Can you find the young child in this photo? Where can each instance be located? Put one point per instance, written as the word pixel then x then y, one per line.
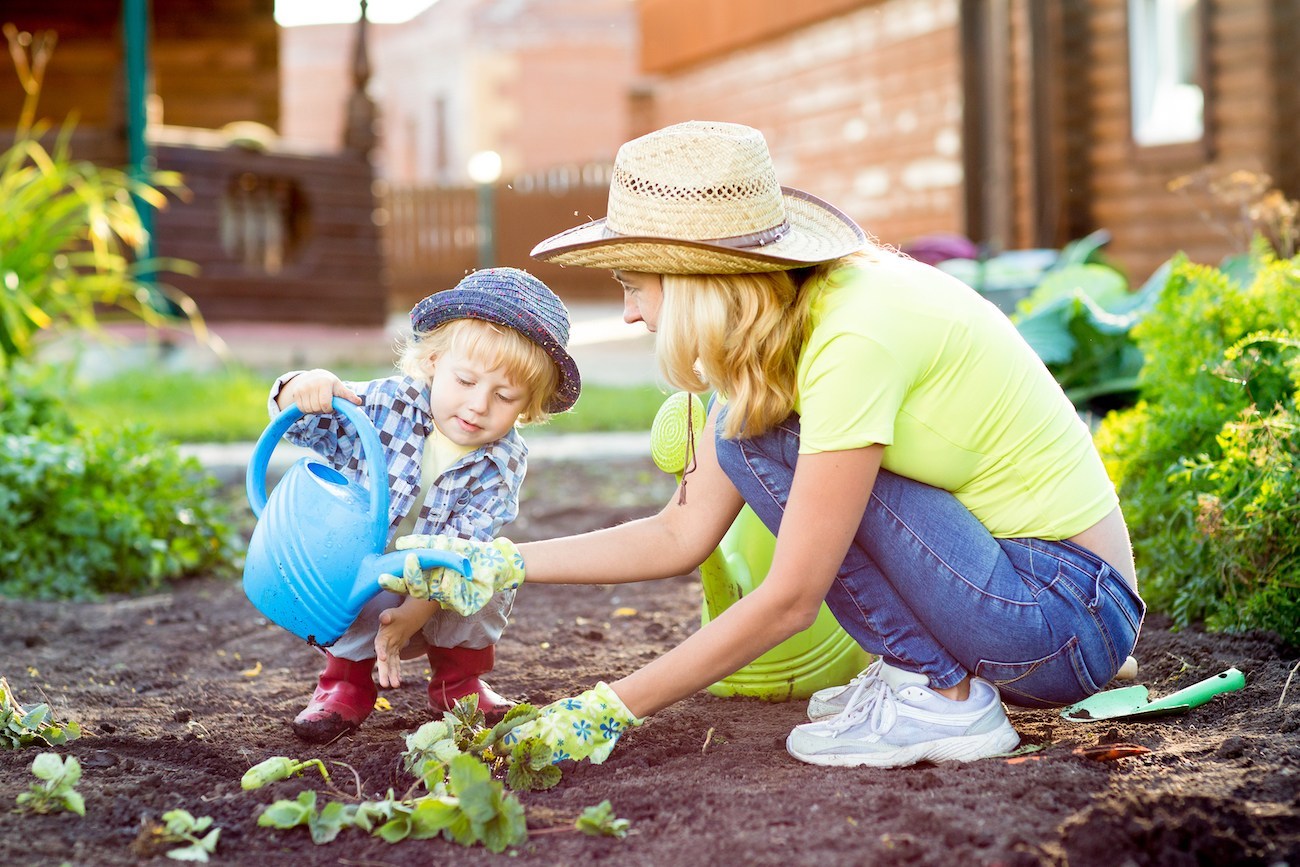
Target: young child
pixel 482 357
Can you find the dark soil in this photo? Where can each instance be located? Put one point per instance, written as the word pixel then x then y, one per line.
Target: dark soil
pixel 180 693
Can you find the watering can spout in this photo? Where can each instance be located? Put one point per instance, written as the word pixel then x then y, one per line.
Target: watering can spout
pixel 317 551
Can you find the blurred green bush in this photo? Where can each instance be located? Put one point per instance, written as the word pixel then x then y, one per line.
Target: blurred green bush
pixel 1207 461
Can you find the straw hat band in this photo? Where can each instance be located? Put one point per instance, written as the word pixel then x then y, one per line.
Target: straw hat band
pixel 754 239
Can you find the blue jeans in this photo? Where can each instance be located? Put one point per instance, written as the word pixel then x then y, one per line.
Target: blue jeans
pixel 925 586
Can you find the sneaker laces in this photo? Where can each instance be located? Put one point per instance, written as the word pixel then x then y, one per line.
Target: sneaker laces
pixel 867 674
pixel 873 702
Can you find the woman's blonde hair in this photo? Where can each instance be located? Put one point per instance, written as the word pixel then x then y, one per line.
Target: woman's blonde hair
pixel 741 334
pixel 493 346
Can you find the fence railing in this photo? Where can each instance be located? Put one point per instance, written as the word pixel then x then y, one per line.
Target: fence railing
pixel 432 235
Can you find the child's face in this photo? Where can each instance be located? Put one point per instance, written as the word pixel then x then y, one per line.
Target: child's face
pixel 473 405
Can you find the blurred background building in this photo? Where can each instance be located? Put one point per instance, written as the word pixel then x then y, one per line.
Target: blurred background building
pixel 339 171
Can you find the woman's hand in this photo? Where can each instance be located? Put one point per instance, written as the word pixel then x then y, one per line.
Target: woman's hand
pixel 494 566
pixel 314 392
pixel 586 726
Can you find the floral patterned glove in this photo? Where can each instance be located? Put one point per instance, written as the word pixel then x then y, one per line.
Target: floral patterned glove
pixel 494 566
pixel 584 727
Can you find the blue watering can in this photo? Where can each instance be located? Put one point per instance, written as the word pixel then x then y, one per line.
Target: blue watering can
pixel 318 548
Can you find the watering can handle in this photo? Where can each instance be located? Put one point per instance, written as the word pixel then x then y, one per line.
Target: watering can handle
pixel 371 448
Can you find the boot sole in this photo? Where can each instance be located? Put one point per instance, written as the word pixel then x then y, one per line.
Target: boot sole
pixel 968 748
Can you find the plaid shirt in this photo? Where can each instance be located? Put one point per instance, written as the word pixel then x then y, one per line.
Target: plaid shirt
pixel 472 499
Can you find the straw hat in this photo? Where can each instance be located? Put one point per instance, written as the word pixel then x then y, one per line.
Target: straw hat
pixel 702 198
pixel 515 299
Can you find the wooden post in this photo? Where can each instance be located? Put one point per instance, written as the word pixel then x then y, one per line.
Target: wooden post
pixel 359 136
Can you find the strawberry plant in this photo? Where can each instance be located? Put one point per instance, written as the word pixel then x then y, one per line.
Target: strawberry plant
pixel 57 790
pixel 179 827
pixel 21 728
pixel 455 760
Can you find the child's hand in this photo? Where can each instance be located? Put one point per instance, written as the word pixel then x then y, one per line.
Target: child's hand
pixel 314 392
pixel 396 626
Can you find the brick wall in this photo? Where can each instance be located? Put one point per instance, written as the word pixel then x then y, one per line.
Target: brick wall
pixel 837 101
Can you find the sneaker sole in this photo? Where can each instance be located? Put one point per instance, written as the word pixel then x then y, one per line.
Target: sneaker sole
pixel 968 748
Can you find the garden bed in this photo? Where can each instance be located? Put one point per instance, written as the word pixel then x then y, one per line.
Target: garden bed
pixel 179 694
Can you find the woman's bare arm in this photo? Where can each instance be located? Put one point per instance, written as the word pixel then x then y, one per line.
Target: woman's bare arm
pixel 672 542
pixel 827 500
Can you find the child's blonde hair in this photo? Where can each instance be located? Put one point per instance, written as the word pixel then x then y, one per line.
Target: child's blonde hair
pixel 494 346
pixel 741 334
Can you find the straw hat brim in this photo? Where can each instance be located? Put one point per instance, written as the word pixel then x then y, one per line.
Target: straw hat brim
pixel 818 232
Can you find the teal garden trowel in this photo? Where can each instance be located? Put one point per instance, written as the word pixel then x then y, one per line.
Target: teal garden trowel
pixel 1132 701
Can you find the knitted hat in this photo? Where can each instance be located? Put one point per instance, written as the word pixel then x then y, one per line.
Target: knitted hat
pixel 515 299
pixel 702 198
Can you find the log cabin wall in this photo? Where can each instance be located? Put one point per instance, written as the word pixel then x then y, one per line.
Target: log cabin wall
pixel 861 102
pixel 214 62
pixel 1250 119
pixel 279 237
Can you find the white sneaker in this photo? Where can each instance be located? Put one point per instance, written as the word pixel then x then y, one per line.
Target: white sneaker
pixel 826 703
pixel 893 719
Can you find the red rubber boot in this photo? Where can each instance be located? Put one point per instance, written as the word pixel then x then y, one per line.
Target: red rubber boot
pixel 456 673
pixel 345 695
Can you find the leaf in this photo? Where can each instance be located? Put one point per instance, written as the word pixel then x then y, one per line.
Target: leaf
pixel 394 830
pixel 431 816
pixel 289 814
pixel 74 802
pixel 530 767
pixel 599 821
pixel 326 825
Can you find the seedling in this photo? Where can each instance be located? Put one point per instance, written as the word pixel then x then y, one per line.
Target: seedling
pixel 21 728
pixel 600 821
pixel 58 791
pixel 278 768
pixel 179 826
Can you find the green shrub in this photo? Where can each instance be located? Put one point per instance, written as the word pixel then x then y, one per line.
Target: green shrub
pixel 1206 462
pixel 87 511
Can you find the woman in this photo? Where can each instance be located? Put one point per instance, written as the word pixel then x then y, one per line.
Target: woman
pixel 922 471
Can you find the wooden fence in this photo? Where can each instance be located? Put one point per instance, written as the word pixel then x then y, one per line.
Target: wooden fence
pixel 277 237
pixel 431 234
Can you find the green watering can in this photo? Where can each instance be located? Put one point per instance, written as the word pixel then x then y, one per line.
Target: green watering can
pixel 822 655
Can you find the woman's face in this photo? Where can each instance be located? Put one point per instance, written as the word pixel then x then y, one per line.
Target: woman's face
pixel 643 295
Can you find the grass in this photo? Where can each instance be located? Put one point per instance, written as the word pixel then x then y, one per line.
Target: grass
pixel 229 405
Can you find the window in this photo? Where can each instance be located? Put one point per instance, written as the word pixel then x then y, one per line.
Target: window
pixel 1165 63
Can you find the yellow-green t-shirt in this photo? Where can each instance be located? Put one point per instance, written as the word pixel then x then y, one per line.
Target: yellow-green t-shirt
pixel 906 356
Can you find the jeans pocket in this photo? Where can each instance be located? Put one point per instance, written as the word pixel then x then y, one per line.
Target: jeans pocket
pixel 1052 681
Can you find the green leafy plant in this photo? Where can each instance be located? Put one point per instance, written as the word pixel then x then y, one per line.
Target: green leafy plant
pixel 455 759
pixel 469 807
pixel 180 829
pixel 94 511
pixel 68 229
pixel 22 728
pixel 278 768
pixel 600 821
pixel 1205 462
pixel 57 790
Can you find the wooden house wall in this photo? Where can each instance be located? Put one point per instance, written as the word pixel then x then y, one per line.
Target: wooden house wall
pixel 279 237
pixel 214 62
pixel 863 108
pixel 1128 185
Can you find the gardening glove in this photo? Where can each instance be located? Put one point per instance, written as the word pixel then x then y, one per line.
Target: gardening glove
pixel 584 727
pixel 494 566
